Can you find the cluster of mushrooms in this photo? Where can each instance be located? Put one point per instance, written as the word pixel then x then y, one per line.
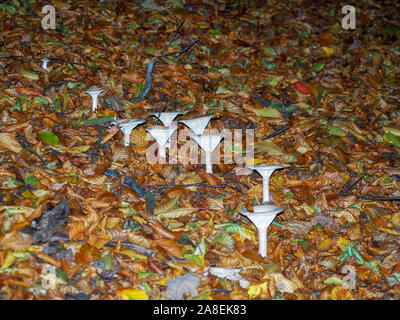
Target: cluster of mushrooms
pixel 261 217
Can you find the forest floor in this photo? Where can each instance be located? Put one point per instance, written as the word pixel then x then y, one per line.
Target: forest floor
pixel 84 217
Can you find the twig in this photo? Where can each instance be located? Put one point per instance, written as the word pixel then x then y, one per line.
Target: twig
pixel 345 189
pixel 150 65
pixel 379 198
pixel 349 187
pixel 277 132
pixel 200 184
pixel 172 39
pixel 36 154
pixel 187 48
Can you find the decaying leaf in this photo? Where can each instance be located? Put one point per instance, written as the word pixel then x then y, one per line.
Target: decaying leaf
pixel 179 286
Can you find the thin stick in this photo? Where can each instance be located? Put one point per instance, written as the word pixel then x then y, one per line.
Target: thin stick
pixel 277 132
pixel 192 185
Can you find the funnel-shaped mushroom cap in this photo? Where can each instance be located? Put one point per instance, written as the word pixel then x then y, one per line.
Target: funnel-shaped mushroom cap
pixel 266 170
pixel 161 134
pixel 262 217
pixel 127 125
pixel 166 117
pixel 208 142
pixel 45 62
pixel 131 123
pixel 197 125
pixel 94 92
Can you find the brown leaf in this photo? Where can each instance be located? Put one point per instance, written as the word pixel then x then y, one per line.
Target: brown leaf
pixel 170 246
pixel 17 241
pixel 8 142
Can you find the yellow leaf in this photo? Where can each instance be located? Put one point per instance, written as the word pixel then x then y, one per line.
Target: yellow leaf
pixel 133 294
pixel 341 242
pixel 139 219
pixel 176 213
pixel 325 244
pixel 253 161
pixel 133 254
pixel 9 260
pixel 328 51
pixel 162 282
pixel 340 293
pixel 242 235
pixel 268 147
pixel 167 205
pixel 268 113
pixel 396 219
pixel 78 149
pixel 257 289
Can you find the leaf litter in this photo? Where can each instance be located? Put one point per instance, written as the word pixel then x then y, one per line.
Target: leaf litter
pixel 83 217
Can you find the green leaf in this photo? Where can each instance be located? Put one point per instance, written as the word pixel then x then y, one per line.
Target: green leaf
pixel 49 138
pixel 270 64
pixel 344 256
pixel 320 95
pixel 31 180
pixel 107 259
pixel 99 120
pixel 374 266
pixel 393 131
pixel 8 8
pixel 177 3
pixel 12 182
pixel 201 248
pixel 184 239
pixel 336 131
pixel 231 227
pixel 317 67
pixel 72 85
pixel 139 89
pixel 29 74
pixel 52 165
pixel 392 31
pixel 391 138
pixel 303 243
pixel 358 256
pixel 214 32
pixel 272 82
pixel 61 274
pixel 269 51
pixel 334 280
pixel 268 113
pixel 225 239
pixel 222 89
pixel 193 258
